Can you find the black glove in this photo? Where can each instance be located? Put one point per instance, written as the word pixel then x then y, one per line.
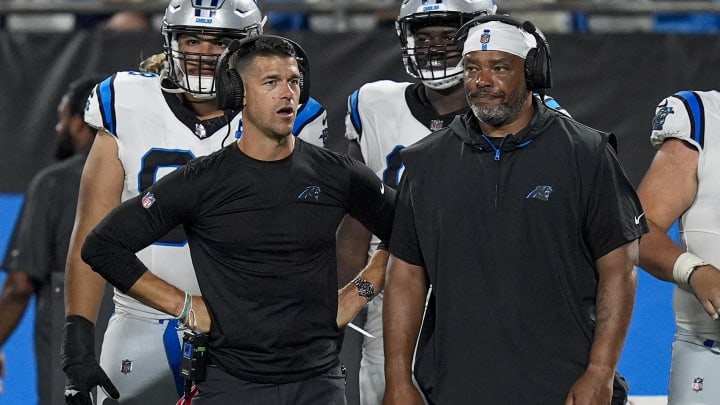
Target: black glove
pixel 77 356
pixel 620 390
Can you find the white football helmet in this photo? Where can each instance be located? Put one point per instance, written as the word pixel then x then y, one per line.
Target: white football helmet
pixel 227 19
pixel 429 63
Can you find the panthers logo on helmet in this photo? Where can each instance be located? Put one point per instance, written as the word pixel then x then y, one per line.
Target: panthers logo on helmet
pixel 662 112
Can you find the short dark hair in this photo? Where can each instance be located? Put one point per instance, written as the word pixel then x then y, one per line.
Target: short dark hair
pixel 263 46
pixel 78 91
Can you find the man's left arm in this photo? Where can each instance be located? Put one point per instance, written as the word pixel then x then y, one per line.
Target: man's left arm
pixel 353 297
pixel 373 205
pixel 110 249
pixel 617 283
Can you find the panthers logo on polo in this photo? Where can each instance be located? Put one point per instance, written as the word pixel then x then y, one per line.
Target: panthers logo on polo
pixel 541 193
pixel 662 112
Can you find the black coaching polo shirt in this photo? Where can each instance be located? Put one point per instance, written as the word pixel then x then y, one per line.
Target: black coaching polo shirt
pixel 508 233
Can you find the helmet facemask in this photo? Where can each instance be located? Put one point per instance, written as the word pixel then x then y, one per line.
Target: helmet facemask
pixel 437 63
pixel 218 22
pixel 193 72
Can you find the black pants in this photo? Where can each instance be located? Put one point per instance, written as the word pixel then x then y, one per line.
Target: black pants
pixel 221 388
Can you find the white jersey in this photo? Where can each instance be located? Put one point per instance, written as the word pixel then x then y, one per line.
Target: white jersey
pixel 381 121
pixel 694 118
pixel 156 134
pixel 383 118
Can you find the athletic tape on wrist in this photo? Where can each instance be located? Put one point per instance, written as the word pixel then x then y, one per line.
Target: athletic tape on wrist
pixel 187 306
pixel 684 267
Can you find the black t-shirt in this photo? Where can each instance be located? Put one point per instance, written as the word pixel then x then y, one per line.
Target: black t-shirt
pixel 262 241
pixel 508 234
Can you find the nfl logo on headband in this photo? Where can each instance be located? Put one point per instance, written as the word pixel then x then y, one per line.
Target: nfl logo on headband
pixel 485 37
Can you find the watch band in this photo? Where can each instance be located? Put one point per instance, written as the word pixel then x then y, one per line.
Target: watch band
pixel 365 288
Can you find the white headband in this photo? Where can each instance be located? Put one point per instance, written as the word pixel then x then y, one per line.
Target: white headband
pixel 499 36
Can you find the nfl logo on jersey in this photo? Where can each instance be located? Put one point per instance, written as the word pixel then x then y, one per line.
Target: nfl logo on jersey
pixel 148 200
pixel 126 366
pixel 436 125
pixel 697 384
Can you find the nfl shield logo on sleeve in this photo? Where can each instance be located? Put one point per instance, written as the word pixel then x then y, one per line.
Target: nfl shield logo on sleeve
pixel 148 200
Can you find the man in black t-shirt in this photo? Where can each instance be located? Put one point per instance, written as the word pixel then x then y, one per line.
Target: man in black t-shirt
pixel 260 216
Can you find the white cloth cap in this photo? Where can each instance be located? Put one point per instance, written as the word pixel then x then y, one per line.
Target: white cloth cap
pixel 499 36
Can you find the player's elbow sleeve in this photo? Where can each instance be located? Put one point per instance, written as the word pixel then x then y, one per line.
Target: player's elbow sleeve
pixel 117 265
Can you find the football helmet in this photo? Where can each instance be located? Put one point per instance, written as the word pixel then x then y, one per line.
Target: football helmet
pixel 438 65
pixel 226 19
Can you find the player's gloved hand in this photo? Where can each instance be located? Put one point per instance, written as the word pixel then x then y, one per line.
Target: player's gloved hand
pixel 77 356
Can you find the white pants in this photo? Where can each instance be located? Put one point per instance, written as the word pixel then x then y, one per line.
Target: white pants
pixel 136 357
pixel 695 371
pixel 372 365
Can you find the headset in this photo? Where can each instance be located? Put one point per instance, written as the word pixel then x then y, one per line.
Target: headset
pixel 538 68
pixel 228 83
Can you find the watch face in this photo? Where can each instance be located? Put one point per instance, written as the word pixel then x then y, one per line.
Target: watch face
pixel 365 288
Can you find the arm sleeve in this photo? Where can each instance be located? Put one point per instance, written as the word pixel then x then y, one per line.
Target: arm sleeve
pixel 614 216
pixel 136 223
pixel 370 201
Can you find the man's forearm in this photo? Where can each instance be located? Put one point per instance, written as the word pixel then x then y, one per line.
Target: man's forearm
pixel 350 302
pixel 84 289
pixel 353 243
pixel 403 308
pixel 375 270
pixel 155 292
pixel 14 300
pixel 616 289
pixel 658 253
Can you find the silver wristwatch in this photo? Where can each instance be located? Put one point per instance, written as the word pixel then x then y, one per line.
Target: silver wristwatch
pixel 365 288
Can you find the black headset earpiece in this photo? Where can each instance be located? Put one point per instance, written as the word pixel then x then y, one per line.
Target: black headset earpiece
pixel 227 80
pixel 538 67
pixel 230 93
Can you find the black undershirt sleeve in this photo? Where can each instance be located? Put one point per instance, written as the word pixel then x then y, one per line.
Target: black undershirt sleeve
pixel 110 248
